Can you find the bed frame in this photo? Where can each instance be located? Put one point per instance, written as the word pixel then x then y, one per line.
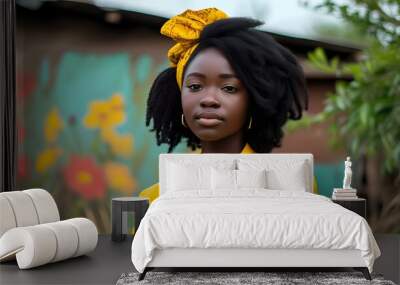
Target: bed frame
pixel 241 259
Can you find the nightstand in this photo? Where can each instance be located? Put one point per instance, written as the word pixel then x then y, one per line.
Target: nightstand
pixel 120 208
pixel 357 205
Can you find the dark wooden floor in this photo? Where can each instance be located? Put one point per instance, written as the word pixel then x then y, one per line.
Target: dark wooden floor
pixel 111 259
pixel 102 266
pixel 389 262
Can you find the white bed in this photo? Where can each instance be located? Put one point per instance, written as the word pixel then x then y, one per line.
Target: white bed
pixel 202 220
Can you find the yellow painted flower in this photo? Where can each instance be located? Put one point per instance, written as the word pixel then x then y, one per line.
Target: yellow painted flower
pixel 120 144
pixel 107 134
pixel 105 114
pixel 116 103
pixel 53 125
pixel 47 158
pixel 118 177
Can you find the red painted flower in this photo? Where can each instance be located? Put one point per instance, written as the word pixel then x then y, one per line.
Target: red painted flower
pixel 26 84
pixel 85 177
pixel 21 170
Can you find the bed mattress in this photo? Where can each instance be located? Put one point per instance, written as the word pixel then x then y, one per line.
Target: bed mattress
pixel 250 219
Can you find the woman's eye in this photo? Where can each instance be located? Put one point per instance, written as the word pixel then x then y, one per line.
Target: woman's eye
pixel 230 89
pixel 194 87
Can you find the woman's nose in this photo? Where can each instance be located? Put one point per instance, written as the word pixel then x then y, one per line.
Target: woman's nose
pixel 210 100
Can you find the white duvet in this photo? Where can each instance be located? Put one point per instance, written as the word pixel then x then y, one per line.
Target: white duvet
pixel 250 218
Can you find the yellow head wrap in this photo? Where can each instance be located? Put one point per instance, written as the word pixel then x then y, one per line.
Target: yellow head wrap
pixel 185 29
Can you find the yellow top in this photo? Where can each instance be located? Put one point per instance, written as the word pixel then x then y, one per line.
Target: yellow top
pixel 185 30
pixel 153 191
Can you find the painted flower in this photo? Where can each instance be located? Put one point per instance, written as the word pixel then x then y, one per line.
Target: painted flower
pixel 22 163
pixel 119 177
pixel 120 144
pixel 53 125
pixel 85 177
pixel 47 158
pixel 26 85
pixel 105 114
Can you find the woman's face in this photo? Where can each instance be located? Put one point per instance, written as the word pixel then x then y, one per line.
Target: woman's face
pixel 214 101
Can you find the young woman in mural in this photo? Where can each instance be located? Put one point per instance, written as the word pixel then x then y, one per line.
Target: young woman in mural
pixel 230 88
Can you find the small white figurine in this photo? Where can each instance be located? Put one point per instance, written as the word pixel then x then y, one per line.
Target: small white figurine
pixel 347 174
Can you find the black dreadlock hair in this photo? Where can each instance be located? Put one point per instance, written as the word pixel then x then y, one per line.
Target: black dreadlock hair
pixel 273 78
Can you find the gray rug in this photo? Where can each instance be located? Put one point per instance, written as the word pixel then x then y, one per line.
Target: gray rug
pixel 231 278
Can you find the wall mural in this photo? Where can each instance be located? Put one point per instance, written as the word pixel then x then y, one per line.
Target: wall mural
pixel 82 134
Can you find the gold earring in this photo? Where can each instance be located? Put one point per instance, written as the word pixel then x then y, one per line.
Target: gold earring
pixel 183 121
pixel 249 127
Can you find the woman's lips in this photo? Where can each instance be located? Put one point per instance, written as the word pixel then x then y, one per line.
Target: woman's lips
pixel 208 119
pixel 208 122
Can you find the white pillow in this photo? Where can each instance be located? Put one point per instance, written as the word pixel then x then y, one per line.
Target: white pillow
pixel 285 174
pixel 228 179
pixel 182 177
pixel 251 178
pixel 294 180
pixel 223 179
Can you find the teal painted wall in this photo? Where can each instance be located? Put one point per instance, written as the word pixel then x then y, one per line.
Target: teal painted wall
pixel 329 176
pixel 64 146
